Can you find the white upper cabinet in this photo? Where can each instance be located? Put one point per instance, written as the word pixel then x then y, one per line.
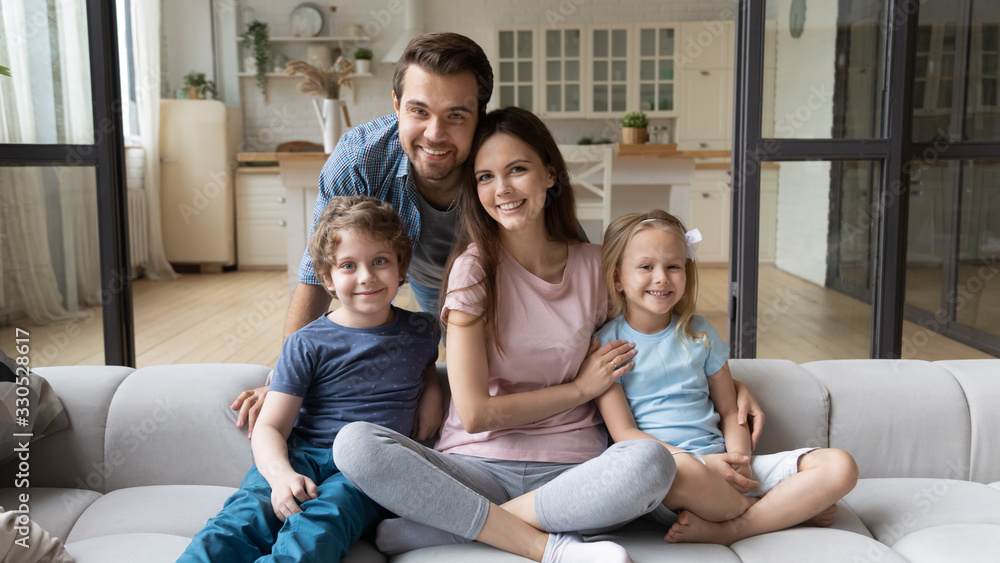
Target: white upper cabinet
pixel 706 45
pixel 562 72
pixel 609 70
pixel 516 72
pixel 656 50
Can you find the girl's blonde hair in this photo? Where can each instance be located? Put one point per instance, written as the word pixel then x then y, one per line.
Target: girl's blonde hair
pixel 620 232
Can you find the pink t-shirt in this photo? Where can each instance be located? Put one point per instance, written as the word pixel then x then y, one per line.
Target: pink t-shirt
pixel 547 329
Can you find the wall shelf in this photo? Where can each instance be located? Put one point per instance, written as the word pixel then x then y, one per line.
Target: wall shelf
pixel 283 75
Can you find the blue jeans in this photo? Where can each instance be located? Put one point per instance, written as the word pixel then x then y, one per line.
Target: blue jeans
pixel 246 528
pixel 427 298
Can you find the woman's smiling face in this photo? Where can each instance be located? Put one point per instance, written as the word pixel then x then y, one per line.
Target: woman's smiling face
pixel 511 180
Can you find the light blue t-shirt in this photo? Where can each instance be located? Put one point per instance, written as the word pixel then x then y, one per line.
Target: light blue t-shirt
pixel 349 374
pixel 667 389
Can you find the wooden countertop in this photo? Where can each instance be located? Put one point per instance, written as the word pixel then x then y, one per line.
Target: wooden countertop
pixel 281 156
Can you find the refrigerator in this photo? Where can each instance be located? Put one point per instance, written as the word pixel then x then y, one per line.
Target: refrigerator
pixel 199 140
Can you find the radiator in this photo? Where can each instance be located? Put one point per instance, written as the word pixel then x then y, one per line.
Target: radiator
pixel 138 230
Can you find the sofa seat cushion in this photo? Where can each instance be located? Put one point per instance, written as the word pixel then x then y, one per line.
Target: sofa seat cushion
pixel 893 508
pixel 969 543
pixel 55 510
pixel 816 545
pixel 176 510
pixel 129 548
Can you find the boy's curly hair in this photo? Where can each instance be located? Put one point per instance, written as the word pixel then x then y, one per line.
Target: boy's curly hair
pixel 367 216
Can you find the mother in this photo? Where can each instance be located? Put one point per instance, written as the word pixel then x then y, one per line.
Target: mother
pixel 521 450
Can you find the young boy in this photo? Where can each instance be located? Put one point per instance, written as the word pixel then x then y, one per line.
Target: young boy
pixel 365 361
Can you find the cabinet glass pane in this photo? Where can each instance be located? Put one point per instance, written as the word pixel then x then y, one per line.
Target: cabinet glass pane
pixel 600 43
pixel 618 97
pixel 989 65
pixel 990 91
pixel 666 97
pixel 524 71
pixel 647 43
pixel 50 282
pixel 619 71
pixel 47 100
pixel 667 69
pixel 524 98
pixel 572 38
pixel 552 43
pixel 572 70
pixel 506 44
pixel 647 70
pixel 600 98
pixel 600 71
pixel 918 94
pixel 647 97
pixel 553 97
pixel 666 42
pixel 924 38
pixel 572 97
pixel 920 66
pixel 524 44
pixel 826 83
pixel 619 43
pixel 506 96
pixel 553 71
pixel 506 72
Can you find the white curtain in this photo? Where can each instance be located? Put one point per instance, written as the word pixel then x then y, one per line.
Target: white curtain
pixel 28 281
pixel 146 23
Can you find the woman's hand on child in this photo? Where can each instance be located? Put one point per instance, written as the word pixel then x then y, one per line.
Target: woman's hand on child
pixel 603 366
pixel 289 492
pixel 733 467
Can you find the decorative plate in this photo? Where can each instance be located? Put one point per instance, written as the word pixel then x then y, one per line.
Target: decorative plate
pixel 307 20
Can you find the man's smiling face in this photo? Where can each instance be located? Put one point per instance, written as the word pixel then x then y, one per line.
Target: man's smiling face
pixel 437 119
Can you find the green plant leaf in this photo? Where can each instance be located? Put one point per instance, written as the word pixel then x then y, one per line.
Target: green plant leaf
pixel 5 71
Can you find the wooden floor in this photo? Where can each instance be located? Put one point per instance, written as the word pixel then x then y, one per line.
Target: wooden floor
pixel 238 317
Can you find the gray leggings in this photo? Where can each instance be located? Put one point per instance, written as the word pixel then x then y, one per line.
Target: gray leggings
pixel 453 492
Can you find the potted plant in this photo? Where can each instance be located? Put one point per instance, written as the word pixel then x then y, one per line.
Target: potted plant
pixel 197 86
pixel 634 128
pixel 363 58
pixel 256 39
pixel 325 83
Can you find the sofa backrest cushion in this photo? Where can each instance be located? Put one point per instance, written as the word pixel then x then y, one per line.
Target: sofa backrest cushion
pixel 74 457
pixel 172 425
pixel 980 381
pixel 795 404
pixel 898 418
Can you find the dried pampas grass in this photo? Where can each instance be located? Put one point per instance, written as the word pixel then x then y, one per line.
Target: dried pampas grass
pixel 322 82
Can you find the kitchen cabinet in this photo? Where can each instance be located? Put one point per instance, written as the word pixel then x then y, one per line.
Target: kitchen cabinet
pixel 562 81
pixel 515 63
pixel 261 219
pixel 711 197
pixel 705 100
pixel 656 53
pixel 609 70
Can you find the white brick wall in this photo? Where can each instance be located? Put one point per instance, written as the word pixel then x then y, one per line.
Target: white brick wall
pixel 288 115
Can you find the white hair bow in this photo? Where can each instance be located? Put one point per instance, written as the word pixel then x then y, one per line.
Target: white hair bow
pixel 693 238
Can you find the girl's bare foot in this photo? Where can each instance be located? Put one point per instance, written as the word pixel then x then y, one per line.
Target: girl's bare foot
pixel 689 528
pixel 823 519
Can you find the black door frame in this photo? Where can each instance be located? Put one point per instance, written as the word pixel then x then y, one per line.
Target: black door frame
pixel 106 156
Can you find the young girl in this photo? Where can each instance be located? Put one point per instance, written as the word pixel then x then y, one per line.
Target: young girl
pixel 681 393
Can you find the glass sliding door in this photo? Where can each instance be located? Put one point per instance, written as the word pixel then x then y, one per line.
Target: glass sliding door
pixel 63 268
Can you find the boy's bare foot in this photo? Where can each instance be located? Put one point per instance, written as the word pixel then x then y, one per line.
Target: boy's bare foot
pixel 823 519
pixel 689 528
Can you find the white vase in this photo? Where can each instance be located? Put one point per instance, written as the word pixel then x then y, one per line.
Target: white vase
pixel 329 121
pixel 363 66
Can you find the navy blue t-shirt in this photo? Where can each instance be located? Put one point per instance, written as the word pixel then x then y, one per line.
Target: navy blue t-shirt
pixel 349 374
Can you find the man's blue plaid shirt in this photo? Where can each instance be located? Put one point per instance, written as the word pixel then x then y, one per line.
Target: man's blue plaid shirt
pixel 368 160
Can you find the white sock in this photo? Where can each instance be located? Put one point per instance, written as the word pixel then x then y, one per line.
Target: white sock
pixel 399 535
pixel 570 548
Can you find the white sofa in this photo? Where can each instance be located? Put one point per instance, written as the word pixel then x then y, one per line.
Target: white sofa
pixel 151 454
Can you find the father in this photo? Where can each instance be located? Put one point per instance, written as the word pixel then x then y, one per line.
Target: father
pixel 411 159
